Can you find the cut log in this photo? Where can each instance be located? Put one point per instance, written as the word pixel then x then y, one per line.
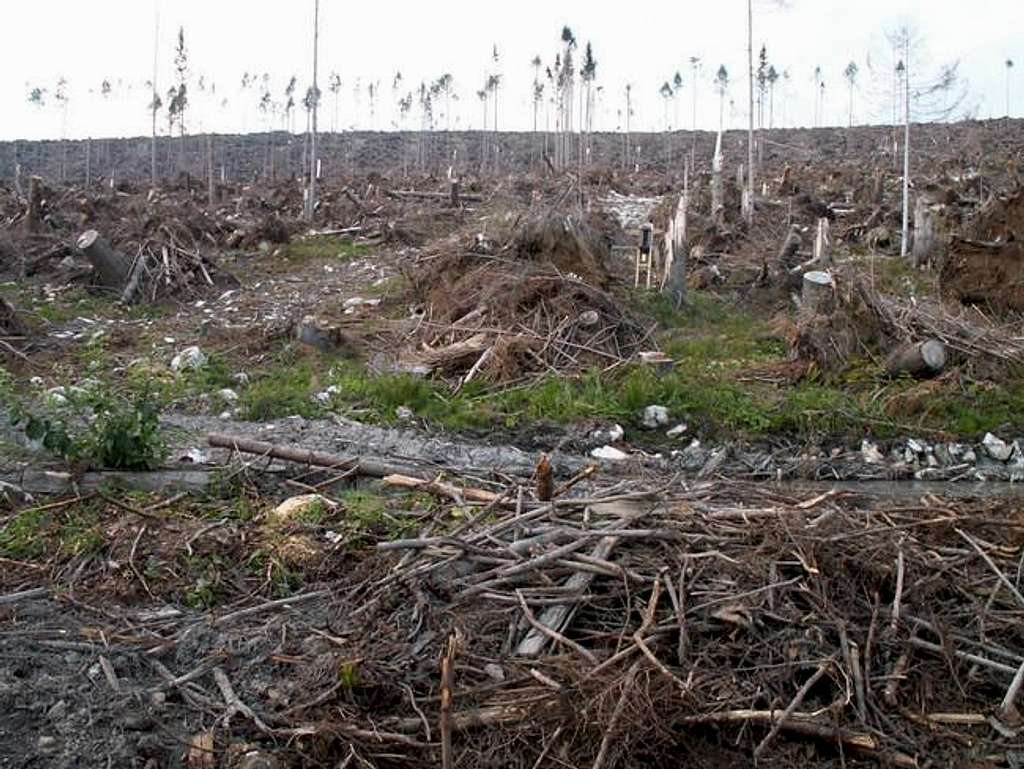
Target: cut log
pixel 818 296
pixel 922 359
pixel 113 269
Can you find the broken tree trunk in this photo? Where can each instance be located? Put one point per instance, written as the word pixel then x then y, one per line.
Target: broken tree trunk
pixel 114 269
pixel 917 359
pixel 34 219
pixel 818 296
pixel 823 245
pixel 10 324
pixel 925 241
pixel 717 204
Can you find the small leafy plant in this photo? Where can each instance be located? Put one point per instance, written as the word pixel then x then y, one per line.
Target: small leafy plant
pixel 92 425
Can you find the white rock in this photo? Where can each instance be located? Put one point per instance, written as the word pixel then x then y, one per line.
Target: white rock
pixel 404 414
pixel 916 446
pixel 678 431
pixel 997 448
pixel 189 359
pixel 655 417
pixel 228 395
pixel 325 397
pixel 241 378
pixel 355 301
pixel 613 434
pixel 296 506
pixel 610 453
pixel 225 416
pixel 969 456
pixel 56 397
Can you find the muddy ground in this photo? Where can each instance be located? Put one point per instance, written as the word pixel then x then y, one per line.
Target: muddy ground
pixel 159 607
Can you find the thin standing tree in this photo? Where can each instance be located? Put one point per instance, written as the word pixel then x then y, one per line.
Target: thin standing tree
pixel 334 86
pixel 315 101
pixel 850 73
pixel 722 87
pixel 181 103
pixel 1009 69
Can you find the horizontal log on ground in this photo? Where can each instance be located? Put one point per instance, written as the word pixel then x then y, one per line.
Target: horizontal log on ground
pixel 917 359
pixel 359 466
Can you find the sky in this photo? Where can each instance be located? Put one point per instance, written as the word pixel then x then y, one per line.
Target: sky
pixel 640 43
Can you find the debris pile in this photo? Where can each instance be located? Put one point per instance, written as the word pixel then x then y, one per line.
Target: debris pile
pixel 538 305
pixel 986 265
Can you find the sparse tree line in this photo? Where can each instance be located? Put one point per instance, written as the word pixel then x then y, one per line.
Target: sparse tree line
pixel 567 99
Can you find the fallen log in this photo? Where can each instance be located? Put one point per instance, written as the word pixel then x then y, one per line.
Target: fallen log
pixel 357 465
pixel 926 358
pixel 439 488
pixel 447 196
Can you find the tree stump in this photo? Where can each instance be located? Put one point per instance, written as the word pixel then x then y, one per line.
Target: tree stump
pixel 818 296
pixel 926 241
pixel 919 359
pixel 113 269
pixel 34 217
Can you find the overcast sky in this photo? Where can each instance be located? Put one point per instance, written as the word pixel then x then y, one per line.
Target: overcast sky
pixel 642 43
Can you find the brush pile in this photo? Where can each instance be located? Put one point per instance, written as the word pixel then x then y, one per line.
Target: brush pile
pixel 868 323
pixel 631 627
pixel 538 305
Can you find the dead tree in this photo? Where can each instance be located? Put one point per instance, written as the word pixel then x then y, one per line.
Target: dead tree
pixel 917 359
pixel 717 202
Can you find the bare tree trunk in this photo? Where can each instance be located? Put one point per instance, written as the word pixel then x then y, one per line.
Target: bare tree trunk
pixel 748 207
pixel 210 187
pixel 311 196
pixel 88 161
pixel 35 203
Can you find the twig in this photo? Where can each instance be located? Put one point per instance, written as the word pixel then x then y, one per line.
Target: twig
pixel 793 705
pixel 992 565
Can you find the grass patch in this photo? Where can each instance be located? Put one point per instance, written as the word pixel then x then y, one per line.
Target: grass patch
pixel 324 247
pixel 24 538
pixel 283 392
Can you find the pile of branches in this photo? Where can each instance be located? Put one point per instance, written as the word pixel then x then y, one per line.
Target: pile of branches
pixel 866 321
pixel 538 305
pixel 723 624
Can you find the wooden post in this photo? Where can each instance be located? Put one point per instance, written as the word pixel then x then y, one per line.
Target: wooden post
pixel 917 359
pixel 455 200
pixel 818 296
pixel 88 161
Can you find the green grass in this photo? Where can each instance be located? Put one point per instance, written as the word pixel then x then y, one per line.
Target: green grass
pixel 23 538
pixel 319 247
pixel 284 391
